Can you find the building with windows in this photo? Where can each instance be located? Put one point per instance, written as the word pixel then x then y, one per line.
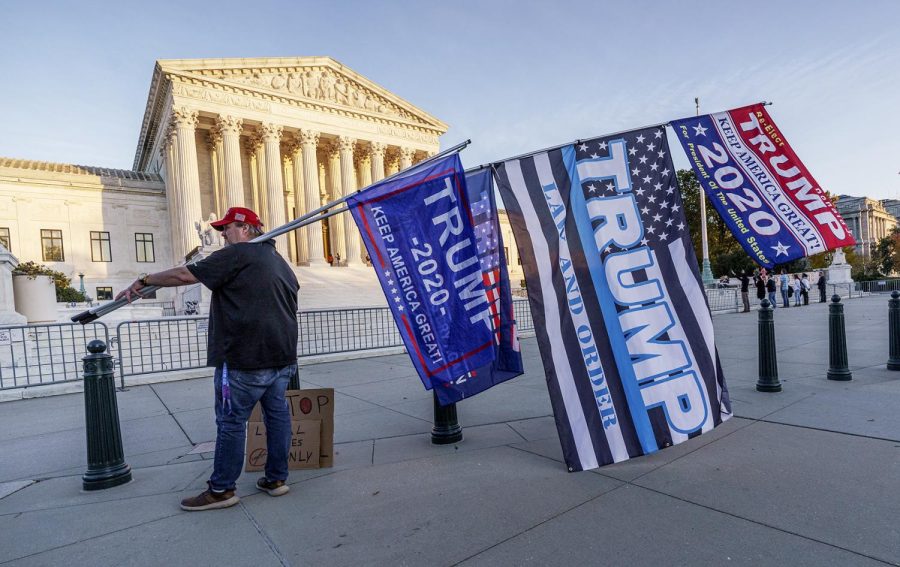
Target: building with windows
pixel 869 220
pixel 282 136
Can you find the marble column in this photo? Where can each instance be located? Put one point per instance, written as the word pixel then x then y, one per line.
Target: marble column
pixel 254 175
pixel 185 121
pixel 262 193
pixel 295 149
pixel 336 224
pixel 391 161
pixel 348 187
pixel 230 128
pixel 406 157
pixel 271 134
pixel 214 145
pixel 287 173
pixel 172 190
pixel 309 140
pixel 377 159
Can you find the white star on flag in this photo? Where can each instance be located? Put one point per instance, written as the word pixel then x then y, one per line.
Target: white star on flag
pixel 780 249
pixel 699 129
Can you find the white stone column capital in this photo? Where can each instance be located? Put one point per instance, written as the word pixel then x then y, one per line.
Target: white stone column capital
pixel 378 149
pixel 228 124
pixel 271 132
pixel 213 139
pixel 406 157
pixel 309 137
pixel 332 150
pixel 346 143
pixel 185 117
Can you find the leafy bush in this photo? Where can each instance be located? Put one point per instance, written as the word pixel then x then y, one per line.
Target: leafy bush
pixel 64 289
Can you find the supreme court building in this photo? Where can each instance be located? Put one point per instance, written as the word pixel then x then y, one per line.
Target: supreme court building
pixel 282 136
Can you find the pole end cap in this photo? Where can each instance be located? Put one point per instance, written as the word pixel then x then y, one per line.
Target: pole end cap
pixel 96 346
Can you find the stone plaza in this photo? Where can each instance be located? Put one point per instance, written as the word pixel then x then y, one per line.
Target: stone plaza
pixel 807 476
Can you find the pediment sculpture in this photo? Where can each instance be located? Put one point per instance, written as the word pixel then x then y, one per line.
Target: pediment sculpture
pixel 323 84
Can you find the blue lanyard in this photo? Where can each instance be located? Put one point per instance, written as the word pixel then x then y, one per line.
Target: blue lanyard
pixel 226 389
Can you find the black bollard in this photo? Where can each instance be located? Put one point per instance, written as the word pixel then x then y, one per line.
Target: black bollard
pixel 837 342
pixel 894 331
pixel 106 459
pixel 768 361
pixel 446 428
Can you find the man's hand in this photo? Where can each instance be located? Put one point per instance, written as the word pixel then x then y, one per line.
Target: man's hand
pixel 131 293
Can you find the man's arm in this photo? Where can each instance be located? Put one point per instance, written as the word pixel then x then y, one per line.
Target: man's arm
pixel 167 278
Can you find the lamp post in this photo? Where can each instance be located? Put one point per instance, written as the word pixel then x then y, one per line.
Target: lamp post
pixel 707 269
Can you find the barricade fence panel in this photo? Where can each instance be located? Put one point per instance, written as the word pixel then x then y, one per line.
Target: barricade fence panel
pixel 31 355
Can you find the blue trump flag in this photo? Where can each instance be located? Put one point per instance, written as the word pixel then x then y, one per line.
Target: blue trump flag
pixel 508 362
pixel 418 230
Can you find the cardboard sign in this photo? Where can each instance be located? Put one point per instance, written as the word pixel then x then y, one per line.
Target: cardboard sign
pixel 312 425
pixel 304 451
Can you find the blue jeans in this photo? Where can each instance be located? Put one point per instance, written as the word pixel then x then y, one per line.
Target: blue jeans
pixel 772 299
pixel 266 386
pixel 784 298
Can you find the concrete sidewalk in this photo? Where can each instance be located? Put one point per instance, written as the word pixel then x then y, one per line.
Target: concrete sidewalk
pixel 809 476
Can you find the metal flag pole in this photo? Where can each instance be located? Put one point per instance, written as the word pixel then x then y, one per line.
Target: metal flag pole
pixel 95 313
pixel 707 274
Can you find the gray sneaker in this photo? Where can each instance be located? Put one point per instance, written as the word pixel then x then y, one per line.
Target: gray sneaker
pixel 272 487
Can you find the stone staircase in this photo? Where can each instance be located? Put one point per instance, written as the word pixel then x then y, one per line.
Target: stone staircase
pixel 337 288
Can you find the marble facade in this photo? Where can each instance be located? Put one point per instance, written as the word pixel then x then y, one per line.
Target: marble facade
pixel 282 136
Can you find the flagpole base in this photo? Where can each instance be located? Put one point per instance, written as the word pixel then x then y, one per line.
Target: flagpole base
pixel 446 428
pixel 708 278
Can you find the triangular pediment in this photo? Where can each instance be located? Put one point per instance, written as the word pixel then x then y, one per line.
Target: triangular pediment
pixel 319 80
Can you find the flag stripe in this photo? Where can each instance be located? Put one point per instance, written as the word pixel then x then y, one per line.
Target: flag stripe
pixel 582 335
pixel 581 436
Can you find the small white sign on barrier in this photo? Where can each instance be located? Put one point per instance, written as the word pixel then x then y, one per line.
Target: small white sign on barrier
pixel 203 327
pixel 5 337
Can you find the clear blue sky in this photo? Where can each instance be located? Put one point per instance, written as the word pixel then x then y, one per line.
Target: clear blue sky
pixel 513 76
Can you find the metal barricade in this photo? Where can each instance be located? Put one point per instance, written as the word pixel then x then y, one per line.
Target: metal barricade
pixel 160 345
pixel 32 355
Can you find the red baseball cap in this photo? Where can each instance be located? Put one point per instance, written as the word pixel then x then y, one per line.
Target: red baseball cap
pixel 237 214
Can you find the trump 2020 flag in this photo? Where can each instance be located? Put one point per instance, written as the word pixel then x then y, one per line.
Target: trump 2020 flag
pixel 759 186
pixel 619 310
pixel 418 230
pixel 508 361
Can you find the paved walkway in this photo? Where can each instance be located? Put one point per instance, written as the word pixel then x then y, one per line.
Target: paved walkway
pixel 809 476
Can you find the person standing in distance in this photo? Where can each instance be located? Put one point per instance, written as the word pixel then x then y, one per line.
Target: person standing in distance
pixel 252 346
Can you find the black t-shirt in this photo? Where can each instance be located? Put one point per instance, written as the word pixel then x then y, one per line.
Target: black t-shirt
pixel 745 283
pixel 253 313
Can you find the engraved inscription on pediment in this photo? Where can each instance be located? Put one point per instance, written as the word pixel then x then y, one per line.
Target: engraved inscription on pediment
pixel 321 83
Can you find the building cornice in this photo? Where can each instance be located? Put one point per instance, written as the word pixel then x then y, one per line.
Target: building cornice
pixel 197 78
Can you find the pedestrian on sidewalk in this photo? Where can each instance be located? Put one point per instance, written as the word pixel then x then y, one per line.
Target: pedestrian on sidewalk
pixel 760 286
pixel 797 286
pixel 771 288
pixel 783 285
pixel 745 290
pixel 252 346
pixel 822 283
pixel 804 288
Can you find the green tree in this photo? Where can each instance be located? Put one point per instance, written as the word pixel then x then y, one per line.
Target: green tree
pixel 63 284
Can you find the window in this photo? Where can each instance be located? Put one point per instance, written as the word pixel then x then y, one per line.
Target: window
pixel 104 293
pixel 52 245
pixel 100 247
pixel 4 237
pixel 143 245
